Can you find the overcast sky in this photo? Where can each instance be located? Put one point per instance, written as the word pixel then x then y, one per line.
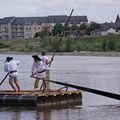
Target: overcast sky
pixel 95 10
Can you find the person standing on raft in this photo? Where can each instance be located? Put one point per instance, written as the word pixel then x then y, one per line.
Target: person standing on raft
pixel 38 69
pixel 11 67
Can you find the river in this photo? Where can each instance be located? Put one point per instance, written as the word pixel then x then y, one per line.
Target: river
pixel 102 73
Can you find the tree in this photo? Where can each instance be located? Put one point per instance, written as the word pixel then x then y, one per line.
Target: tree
pixel 37 34
pixel 74 27
pixel 94 26
pixel 58 28
pixel 44 32
pixel 83 26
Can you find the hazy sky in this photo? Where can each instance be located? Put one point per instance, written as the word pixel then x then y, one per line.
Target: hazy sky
pixel 95 10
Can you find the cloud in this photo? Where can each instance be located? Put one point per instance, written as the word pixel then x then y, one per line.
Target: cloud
pixel 99 10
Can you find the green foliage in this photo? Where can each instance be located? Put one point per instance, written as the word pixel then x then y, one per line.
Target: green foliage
pixel 28 48
pixel 56 43
pixel 104 45
pixel 37 49
pixel 74 27
pixel 83 26
pixel 111 44
pixel 94 26
pixel 43 33
pixel 69 45
pixel 58 28
pixel 37 34
pixel 64 44
pixel 44 41
pixel 118 46
pixel 3 45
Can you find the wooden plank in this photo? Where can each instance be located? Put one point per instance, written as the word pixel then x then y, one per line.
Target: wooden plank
pixel 40 93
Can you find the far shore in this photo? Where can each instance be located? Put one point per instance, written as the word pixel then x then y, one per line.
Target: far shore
pixel 82 53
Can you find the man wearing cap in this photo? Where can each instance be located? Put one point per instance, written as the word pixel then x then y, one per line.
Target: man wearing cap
pixel 38 69
pixel 11 67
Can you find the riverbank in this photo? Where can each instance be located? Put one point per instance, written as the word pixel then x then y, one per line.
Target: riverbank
pixel 82 53
pixel 86 53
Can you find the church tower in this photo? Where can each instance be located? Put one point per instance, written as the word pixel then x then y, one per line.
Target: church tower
pixel 117 19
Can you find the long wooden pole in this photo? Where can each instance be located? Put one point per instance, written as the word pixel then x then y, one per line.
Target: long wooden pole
pixel 4 79
pixel 61 36
pixel 99 92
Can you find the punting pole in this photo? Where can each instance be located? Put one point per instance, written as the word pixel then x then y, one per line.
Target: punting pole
pixel 4 79
pixel 99 92
pixel 61 35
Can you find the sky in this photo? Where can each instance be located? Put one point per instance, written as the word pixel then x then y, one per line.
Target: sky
pixel 96 10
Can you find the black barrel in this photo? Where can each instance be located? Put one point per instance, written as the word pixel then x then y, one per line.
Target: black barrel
pixel 18 100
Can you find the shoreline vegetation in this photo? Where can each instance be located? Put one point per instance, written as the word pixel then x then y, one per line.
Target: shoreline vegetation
pixel 73 46
pixel 82 53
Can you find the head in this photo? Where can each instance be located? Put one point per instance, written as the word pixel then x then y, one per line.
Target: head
pixel 36 58
pixel 8 59
pixel 43 53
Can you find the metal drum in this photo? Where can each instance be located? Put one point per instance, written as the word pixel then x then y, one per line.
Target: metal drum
pixel 18 100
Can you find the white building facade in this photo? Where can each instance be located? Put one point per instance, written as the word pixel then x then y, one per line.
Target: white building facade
pixel 26 27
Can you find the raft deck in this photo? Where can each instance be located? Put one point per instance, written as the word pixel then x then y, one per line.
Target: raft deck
pixel 50 98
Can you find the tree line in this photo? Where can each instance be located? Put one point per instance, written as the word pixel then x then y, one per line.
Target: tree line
pixel 72 44
pixel 73 29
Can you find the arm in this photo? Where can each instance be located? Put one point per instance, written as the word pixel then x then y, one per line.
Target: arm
pixel 49 62
pixel 33 70
pixel 51 59
pixel 17 62
pixel 6 67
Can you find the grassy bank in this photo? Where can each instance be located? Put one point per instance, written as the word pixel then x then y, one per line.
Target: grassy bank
pixel 110 43
pixel 18 45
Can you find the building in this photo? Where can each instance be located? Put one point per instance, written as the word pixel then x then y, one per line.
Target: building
pixel 26 27
pixel 108 28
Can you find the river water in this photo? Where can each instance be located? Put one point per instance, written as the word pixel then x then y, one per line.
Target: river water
pixel 102 73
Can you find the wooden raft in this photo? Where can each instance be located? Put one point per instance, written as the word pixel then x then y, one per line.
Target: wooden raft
pixel 50 98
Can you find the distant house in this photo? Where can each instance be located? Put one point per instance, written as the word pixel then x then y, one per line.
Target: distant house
pixel 105 30
pixel 108 28
pixel 26 27
pixel 98 32
pixel 111 31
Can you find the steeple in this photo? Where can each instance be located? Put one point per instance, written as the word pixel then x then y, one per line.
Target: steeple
pixel 117 19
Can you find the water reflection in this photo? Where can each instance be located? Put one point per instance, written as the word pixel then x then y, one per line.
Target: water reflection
pixel 23 113
pixel 104 112
pixel 43 115
pixel 16 115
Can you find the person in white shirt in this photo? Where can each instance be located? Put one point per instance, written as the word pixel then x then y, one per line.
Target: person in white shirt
pixel 11 67
pixel 38 69
pixel 45 60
